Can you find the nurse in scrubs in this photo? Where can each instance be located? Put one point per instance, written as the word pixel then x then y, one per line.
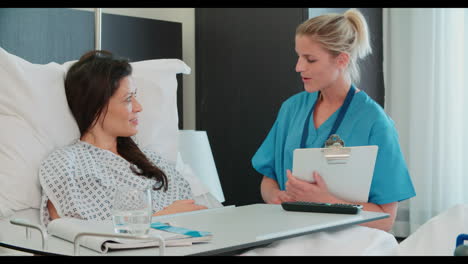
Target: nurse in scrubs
pixel 328 48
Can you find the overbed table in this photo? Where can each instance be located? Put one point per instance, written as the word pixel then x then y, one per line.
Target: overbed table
pixel 233 229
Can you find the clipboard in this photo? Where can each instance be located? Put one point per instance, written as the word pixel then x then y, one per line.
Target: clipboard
pixel 347 171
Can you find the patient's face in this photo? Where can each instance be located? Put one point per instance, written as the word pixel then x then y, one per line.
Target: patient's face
pixel 121 119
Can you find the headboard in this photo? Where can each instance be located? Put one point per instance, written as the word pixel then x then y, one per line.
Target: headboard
pixel 43 35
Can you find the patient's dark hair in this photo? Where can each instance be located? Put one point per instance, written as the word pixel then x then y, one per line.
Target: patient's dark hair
pixel 89 84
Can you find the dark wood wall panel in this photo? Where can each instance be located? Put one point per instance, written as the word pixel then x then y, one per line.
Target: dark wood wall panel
pixel 141 38
pixel 245 69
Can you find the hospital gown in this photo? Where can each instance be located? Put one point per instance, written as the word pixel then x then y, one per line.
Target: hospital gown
pixel 80 180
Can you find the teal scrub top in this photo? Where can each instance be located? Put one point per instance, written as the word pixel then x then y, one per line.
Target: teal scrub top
pixel 365 123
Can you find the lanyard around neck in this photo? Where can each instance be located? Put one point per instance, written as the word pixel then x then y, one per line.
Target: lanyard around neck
pixel 336 125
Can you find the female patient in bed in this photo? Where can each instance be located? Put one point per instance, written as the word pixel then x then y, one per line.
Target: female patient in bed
pixel 79 180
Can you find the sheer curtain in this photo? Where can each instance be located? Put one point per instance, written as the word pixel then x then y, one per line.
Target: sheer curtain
pixel 426 94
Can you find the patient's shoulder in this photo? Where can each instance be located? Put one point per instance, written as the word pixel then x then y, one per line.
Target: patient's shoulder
pixel 62 156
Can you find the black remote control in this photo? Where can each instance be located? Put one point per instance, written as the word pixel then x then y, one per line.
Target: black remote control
pixel 301 206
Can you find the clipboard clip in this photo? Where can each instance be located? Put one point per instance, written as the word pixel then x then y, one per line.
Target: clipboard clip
pixel 335 152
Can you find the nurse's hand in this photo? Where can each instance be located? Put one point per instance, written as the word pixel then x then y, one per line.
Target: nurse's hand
pixel 305 191
pixel 271 192
pixel 280 197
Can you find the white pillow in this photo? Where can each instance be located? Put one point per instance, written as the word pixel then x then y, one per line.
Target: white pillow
pixel 156 85
pixel 36 119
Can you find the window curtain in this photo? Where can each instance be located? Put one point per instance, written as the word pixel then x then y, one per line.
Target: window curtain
pixel 426 94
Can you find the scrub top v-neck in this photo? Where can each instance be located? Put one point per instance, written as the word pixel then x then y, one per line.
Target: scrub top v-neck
pixel 338 116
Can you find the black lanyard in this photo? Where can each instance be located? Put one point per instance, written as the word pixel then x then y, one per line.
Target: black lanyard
pixel 344 108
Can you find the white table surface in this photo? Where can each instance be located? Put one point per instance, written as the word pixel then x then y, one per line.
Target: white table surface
pixel 233 228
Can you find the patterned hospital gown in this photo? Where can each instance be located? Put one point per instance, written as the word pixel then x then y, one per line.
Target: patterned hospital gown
pixel 81 179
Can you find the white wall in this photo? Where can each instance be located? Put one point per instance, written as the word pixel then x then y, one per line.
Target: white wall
pixel 186 16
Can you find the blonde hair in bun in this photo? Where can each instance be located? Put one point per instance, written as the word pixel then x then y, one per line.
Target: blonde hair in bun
pixel 339 33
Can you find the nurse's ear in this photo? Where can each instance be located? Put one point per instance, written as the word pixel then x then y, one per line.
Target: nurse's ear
pixel 342 60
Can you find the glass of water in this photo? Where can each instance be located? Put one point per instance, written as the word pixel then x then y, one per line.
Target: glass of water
pixel 131 211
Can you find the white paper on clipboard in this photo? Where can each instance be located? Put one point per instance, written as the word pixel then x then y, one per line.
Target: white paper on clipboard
pixel 348 178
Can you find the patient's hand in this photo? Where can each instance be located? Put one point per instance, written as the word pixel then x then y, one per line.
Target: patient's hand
pixel 52 211
pixel 179 207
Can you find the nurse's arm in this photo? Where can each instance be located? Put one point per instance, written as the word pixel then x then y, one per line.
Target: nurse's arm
pixel 385 224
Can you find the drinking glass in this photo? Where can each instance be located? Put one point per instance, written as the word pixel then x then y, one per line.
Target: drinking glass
pixel 131 210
